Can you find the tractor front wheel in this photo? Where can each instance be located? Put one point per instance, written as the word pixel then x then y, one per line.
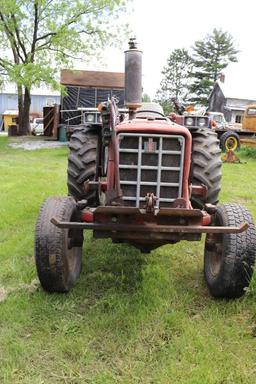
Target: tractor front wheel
pixel 58 252
pixel 229 258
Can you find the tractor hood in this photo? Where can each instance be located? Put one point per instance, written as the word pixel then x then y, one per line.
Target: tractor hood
pixel 153 126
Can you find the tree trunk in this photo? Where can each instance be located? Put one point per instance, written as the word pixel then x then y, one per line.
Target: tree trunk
pixel 24 124
pixel 20 106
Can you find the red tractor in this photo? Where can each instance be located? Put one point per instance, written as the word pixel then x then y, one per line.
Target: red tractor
pixel 144 180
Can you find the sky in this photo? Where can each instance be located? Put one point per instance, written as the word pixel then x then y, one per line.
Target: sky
pixel 163 25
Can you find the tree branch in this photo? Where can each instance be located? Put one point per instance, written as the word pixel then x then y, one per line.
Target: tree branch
pixel 45 36
pixel 89 32
pixel 5 64
pixel 45 45
pixel 64 54
pixel 33 46
pixel 12 40
pixel 22 45
pixel 73 19
pixel 40 12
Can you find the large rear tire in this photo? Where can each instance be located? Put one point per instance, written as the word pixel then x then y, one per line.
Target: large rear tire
pixel 206 166
pixel 82 164
pixel 229 258
pixel 58 252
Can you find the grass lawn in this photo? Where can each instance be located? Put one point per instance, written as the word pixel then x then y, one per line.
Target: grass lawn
pixel 131 318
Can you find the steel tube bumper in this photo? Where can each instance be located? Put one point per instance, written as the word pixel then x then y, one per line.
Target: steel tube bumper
pixel 149 228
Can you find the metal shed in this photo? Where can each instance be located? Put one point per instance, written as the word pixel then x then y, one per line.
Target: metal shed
pixel 86 89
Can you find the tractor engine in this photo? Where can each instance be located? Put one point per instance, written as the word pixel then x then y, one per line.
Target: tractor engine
pixel 154 159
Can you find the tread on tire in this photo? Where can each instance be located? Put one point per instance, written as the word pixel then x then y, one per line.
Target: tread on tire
pixel 229 258
pixel 82 164
pixel 206 166
pixel 58 252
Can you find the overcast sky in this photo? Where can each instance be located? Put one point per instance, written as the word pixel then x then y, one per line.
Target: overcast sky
pixel 164 25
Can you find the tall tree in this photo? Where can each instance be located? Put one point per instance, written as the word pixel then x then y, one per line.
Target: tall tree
pixel 175 80
pixel 146 98
pixel 39 36
pixel 211 55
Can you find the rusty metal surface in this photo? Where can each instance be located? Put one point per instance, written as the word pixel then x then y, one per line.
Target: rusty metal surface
pixel 162 212
pixel 230 157
pixel 149 228
pixel 51 117
pixel 199 190
pixel 150 203
pixel 184 212
pixel 133 216
pixel 92 78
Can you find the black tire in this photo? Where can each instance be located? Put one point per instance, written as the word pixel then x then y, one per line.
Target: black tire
pixel 230 141
pixel 206 166
pixel 82 164
pixel 58 252
pixel 229 258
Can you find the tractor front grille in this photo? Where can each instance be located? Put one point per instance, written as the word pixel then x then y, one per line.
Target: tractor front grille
pixel 151 164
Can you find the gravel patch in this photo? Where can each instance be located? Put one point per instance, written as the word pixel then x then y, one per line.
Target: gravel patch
pixel 37 144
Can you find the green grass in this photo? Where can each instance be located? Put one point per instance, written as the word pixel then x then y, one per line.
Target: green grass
pixel 131 318
pixel 249 152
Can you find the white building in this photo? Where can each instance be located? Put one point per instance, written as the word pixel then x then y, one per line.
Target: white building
pixel 40 97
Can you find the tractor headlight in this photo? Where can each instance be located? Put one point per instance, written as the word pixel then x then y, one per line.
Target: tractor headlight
pixel 202 122
pixel 90 118
pixel 189 121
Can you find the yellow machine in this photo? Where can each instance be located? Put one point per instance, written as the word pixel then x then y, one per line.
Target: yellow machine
pixel 249 120
pixel 9 118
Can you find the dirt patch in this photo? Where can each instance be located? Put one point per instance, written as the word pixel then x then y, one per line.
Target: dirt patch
pixel 3 294
pixel 37 144
pixel 30 288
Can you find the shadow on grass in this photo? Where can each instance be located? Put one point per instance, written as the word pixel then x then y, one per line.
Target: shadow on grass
pixel 110 287
pixel 111 267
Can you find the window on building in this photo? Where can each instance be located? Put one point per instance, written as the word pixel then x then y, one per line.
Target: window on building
pixel 251 111
pixel 238 119
pixel 50 102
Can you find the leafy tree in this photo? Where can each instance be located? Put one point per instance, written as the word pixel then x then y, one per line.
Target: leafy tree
pixel 211 56
pixel 39 36
pixel 175 80
pixel 146 98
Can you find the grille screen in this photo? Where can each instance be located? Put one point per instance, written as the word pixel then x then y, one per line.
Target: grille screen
pixel 151 164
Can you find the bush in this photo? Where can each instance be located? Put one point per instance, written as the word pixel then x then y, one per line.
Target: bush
pixel 249 152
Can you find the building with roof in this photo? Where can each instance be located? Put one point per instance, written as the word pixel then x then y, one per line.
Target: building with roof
pixel 40 97
pixel 87 89
pixel 223 99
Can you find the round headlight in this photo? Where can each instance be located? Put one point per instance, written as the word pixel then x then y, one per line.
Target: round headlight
pixel 90 118
pixel 189 121
pixel 201 122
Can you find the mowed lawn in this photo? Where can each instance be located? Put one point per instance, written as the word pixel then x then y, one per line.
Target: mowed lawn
pixel 131 318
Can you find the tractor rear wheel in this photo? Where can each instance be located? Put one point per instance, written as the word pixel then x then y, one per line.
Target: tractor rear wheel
pixel 206 166
pixel 58 252
pixel 82 164
pixel 229 258
pixel 230 141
